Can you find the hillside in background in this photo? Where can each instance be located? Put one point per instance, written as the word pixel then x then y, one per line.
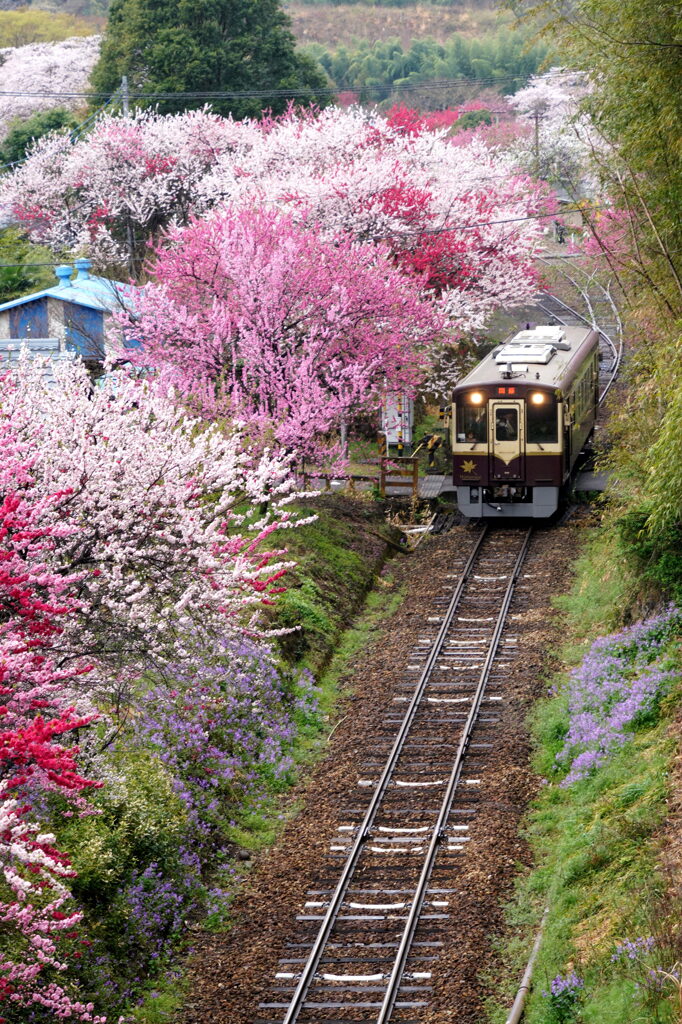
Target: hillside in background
pixel 321 21
pixel 335 25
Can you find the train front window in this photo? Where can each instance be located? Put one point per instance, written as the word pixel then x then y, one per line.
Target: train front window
pixel 507 425
pixel 472 422
pixel 541 418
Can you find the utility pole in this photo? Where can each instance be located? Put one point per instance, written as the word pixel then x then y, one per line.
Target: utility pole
pixel 125 100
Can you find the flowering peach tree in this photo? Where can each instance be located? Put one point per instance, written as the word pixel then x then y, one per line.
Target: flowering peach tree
pixel 166 521
pixel 271 323
pixel 36 715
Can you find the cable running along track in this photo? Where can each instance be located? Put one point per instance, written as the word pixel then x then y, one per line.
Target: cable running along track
pixel 369 959
pixel 611 350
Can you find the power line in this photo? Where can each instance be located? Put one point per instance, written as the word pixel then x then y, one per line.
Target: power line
pixel 406 234
pixel 441 83
pixel 74 134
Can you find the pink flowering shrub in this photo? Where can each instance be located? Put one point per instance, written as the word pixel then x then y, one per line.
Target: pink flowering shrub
pixel 272 325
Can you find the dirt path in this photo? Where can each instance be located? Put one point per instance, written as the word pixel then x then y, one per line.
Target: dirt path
pixel 230 973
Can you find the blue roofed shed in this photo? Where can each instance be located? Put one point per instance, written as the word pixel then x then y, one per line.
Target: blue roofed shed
pixel 70 317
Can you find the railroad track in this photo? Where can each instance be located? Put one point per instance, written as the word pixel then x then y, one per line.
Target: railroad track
pixel 610 330
pixel 371 929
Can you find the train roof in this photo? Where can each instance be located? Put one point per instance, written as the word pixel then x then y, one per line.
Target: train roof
pixel 542 355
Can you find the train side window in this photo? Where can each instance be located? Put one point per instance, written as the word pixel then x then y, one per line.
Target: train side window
pixel 472 422
pixel 541 422
pixel 507 425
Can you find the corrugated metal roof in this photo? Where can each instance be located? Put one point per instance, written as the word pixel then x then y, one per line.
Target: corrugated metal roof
pixel 85 289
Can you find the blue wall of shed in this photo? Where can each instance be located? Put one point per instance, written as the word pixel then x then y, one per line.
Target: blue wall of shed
pixel 84 331
pixel 29 320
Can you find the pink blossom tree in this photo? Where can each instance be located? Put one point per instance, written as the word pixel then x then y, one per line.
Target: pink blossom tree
pixel 462 211
pixel 110 191
pixel 273 324
pixel 343 170
pixel 162 517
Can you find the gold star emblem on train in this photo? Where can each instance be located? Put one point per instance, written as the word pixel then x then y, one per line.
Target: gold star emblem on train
pixel 468 466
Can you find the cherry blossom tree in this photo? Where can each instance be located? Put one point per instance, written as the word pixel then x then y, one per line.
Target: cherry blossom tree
pixel 163 520
pixel 277 326
pixel 558 144
pixel 57 68
pixel 343 170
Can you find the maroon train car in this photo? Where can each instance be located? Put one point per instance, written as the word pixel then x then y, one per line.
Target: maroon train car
pixel 520 419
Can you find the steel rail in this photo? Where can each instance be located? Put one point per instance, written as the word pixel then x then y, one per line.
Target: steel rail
pixel 439 831
pixel 308 971
pixel 616 349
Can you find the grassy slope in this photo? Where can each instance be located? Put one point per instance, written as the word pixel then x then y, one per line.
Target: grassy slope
pixel 596 845
pixel 338 557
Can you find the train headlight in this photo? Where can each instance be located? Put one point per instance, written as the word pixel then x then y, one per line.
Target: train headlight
pixel 476 398
pixel 537 398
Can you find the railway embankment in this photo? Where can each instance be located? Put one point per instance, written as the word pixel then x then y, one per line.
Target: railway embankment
pixel 338 557
pixel 604 829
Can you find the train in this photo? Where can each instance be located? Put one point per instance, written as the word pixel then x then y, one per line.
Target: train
pixel 520 420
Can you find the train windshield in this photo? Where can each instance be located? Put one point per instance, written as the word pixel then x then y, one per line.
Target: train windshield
pixel 506 424
pixel 542 423
pixel 472 422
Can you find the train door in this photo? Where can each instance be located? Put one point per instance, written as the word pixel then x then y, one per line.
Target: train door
pixel 506 427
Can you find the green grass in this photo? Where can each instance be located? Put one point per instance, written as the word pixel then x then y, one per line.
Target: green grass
pixel 161 1004
pixel 338 557
pixel 595 845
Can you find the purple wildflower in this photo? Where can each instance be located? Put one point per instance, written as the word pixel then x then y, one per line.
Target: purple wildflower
pixel 619 681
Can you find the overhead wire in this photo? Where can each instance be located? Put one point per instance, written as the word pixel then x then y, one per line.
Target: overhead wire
pixel 74 134
pixel 443 83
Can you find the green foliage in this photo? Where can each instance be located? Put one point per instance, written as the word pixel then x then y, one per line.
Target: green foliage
pixel 633 51
pixel 373 68
pixel 472 119
pixel 199 45
pixel 21 134
pixel 141 821
pixel 22 278
pixel 337 558
pixel 645 461
pixel 29 25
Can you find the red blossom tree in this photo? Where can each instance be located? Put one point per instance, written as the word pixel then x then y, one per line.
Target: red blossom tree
pixel 35 716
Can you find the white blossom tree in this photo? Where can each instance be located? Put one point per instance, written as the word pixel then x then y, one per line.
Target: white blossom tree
pixel 56 68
